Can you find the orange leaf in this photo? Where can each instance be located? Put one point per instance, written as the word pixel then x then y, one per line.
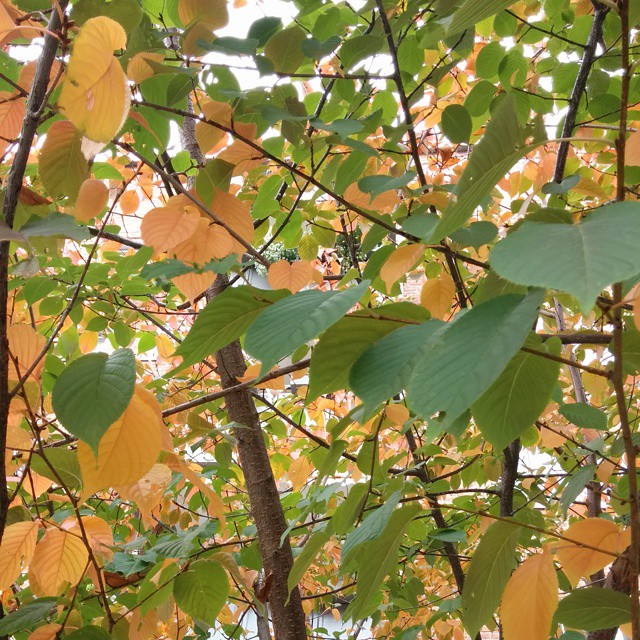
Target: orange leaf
pixel 12 112
pixel 165 227
pixel 129 202
pixel 25 345
pixel 210 241
pixel 191 285
pixel 16 551
pixel 59 560
pixel 632 152
pixel 46 632
pixel 92 199
pixel 295 276
pixel 401 262
pixel 579 562
pixel 437 295
pixel 95 95
pixel 98 534
pixel 207 135
pixel 530 599
pixel 236 215
pixel 213 13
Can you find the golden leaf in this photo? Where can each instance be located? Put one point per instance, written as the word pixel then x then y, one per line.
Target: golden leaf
pixel 99 535
pixel 208 136
pixel 210 241
pixel 59 560
pixel 437 295
pixel 25 345
pixel 127 450
pixel 92 199
pixel 397 413
pixel 16 551
pixel 579 562
pixel 46 632
pixel 139 68
pixel 95 95
pixel 299 471
pixel 165 227
pixel 295 276
pixel 530 599
pixel 400 262
pixel 129 202
pixel 213 13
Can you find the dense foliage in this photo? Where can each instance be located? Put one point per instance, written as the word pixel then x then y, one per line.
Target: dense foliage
pixel 319 307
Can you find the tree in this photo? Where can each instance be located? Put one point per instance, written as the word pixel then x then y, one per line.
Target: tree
pixel 219 392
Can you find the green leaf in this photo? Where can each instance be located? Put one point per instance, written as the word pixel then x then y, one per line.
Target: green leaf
pixel 341 345
pixel 474 11
pixel 64 461
pixel 593 608
pixel 216 174
pixel 26 616
pixel 290 323
pixel 585 415
pixel 464 360
pixel 489 571
pixel 581 259
pixel 202 591
pixel 156 587
pixel 420 225
pixel 375 185
pixel 58 225
pixel 263 28
pixel 89 633
pixel 284 49
pixel 500 148
pixel 456 123
pixel 310 550
pixel 343 127
pixel 371 528
pixel 384 368
pixel 476 234
pixel 360 47
pixel 519 395
pixel 93 392
pixel 377 560
pixel 224 320
pixel 346 514
pixel 575 485
pixel 127 12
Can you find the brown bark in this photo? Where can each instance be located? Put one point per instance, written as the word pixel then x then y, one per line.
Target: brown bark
pixel 288 618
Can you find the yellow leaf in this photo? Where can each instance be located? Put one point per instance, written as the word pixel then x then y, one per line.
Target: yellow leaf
pixel 215 507
pixel 16 551
pixel 127 450
pixel 579 562
pixel 632 152
pixel 88 341
pixel 95 95
pixel 148 492
pixel 98 534
pixel 384 202
pixel 139 68
pixel 25 345
pixel 397 413
pixel 165 227
pixel 437 295
pixel 213 13
pixel 400 262
pixel 59 560
pixel 208 136
pixel 236 215
pixel 46 632
pixel 129 202
pixel 92 199
pixel 299 471
pixel 208 242
pixel 12 112
pixel 296 276
pixel 530 599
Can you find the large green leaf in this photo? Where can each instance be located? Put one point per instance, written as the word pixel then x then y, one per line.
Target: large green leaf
pixel 465 359
pixel 384 368
pixel 473 11
pixel 500 148
pixel 592 608
pixel 519 395
pixel 291 322
pixel 581 259
pixel 378 559
pixel 342 344
pixel 224 320
pixel 93 392
pixel 202 591
pixel 489 571
pixel 310 550
pixel 26 616
pixel 64 462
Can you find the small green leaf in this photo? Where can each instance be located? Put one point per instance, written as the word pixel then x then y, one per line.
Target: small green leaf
pixel 93 392
pixel 585 415
pixel 89 633
pixel 202 591
pixel 360 47
pixel 581 259
pixel 263 28
pixel 26 616
pixel 304 560
pixel 489 571
pixel 284 49
pixel 57 225
pixel 575 485
pixel 290 323
pixel 456 123
pixel 474 11
pixel 594 608
pixel 375 185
